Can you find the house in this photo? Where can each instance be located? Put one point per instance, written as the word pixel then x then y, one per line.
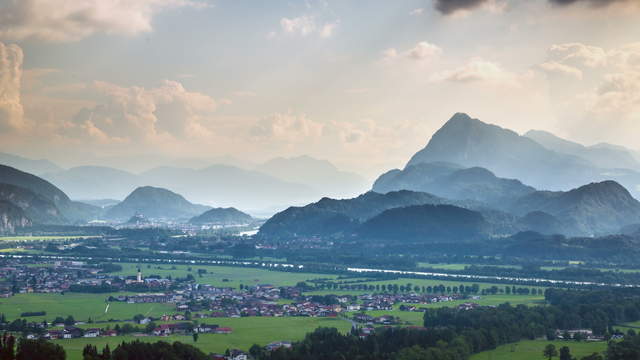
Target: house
pixel 71 332
pixel 223 330
pixel 205 328
pixel 236 354
pixel 92 333
pixel 278 344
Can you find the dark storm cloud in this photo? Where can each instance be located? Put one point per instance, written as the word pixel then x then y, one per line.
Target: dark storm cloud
pixel 447 7
pixel 592 2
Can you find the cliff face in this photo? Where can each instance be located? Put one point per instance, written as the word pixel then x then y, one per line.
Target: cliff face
pixel 11 218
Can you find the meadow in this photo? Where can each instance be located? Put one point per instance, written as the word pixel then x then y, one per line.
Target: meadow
pixel 42 238
pixel 223 276
pixel 246 332
pixel 80 306
pixel 532 350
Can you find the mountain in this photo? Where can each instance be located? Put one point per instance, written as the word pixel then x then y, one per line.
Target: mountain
pixel 426 224
pixel 543 223
pixel 593 209
pixel 153 202
pixel 222 216
pixel 71 210
pixel 331 217
pixel 321 175
pixel 12 217
pixel 603 155
pixel 94 182
pixel 230 186
pixel 38 208
pixel 472 143
pixel 453 182
pixel 28 165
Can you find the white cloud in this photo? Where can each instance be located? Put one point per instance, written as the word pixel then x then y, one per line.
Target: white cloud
pixel 424 50
pixel 417 12
pixel 480 70
pixel 579 54
pixel 286 128
pixel 553 67
pixel 307 25
pixel 72 20
pixel 328 30
pixel 136 114
pixel 11 110
pixel 303 25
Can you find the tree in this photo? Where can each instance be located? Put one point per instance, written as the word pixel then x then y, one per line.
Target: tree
pixel 195 337
pixel 39 350
pixel 550 351
pixel 565 353
pixel 69 321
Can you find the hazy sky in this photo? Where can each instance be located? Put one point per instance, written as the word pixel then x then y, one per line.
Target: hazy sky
pixel 363 84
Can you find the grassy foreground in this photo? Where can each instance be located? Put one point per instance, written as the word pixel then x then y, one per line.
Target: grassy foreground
pixel 532 350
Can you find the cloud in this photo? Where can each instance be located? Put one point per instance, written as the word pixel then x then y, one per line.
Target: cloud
pixel 422 51
pixel 553 67
pixel 11 110
pixel 591 2
pixel 579 54
pixel 136 114
pixel 417 12
pixel 286 128
pixel 73 20
pixel 448 7
pixel 480 70
pixel 306 25
pixel 453 7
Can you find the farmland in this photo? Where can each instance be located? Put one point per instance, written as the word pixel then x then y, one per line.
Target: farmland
pixel 246 332
pixel 532 350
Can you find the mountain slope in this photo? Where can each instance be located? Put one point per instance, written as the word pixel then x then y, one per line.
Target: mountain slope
pixel 601 155
pixel 222 216
pixel 39 209
pixel 28 165
pixel 12 217
pixel 71 210
pixel 426 223
pixel 94 182
pixel 593 209
pixel 155 203
pixel 321 175
pixel 229 186
pixel 453 182
pixel 471 142
pixel 329 217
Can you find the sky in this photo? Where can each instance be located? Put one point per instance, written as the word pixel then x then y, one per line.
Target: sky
pixel 363 84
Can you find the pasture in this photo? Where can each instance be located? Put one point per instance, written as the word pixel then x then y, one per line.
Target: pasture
pixel 246 332
pixel 532 350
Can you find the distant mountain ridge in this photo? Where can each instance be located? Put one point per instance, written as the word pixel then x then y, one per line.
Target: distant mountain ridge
pixel 222 216
pixel 451 181
pixel 593 209
pixel 600 155
pixel 32 166
pixel 472 143
pixel 153 202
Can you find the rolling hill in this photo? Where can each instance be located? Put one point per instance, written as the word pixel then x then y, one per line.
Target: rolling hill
pixel 154 203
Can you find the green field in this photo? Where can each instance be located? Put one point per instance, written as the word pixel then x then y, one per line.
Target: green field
pixel 532 350
pixel 80 306
pixel 246 332
pixel 460 266
pixel 216 275
pixel 42 238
